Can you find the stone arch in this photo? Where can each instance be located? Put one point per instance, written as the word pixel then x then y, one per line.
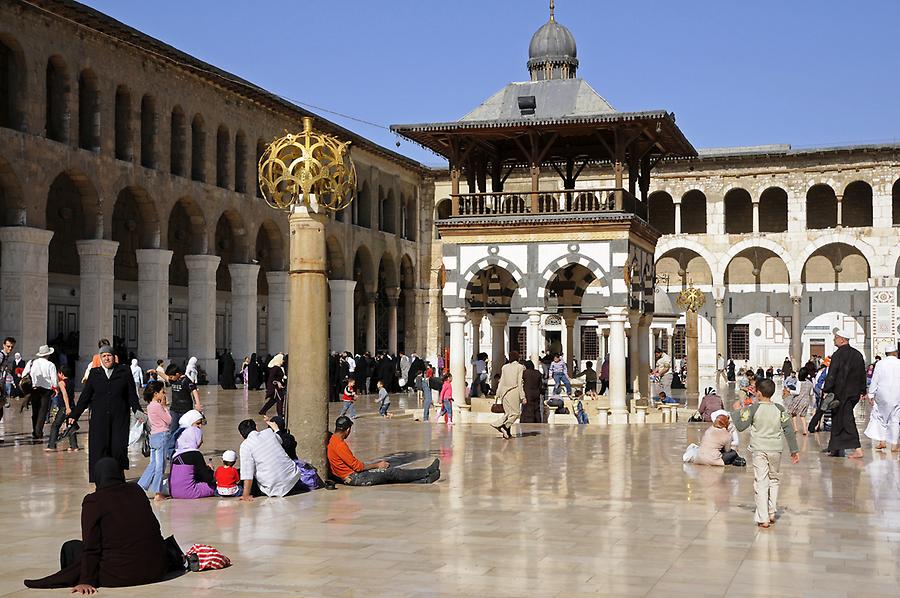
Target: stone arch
pixel 857 245
pixel 269 253
pixel 72 213
pixel 178 142
pixel 13 84
pixel 223 149
pixel 568 284
pixel 756 267
pixel 388 272
pixel 149 131
pixel 681 265
pixel 240 162
pixel 856 205
pixel 13 211
pixel 186 235
pixel 693 212
pixel 231 245
pixel 773 210
pixel 364 269
pixel 406 315
pixel 198 149
pixel 834 264
pixel 493 260
pixel 442 211
pixel 773 247
pixel 88 111
pixel 366 282
pixel 335 264
pixel 57 114
pixel 123 130
pixel 490 289
pixel 671 244
pixel 362 207
pixel 662 212
pixel 738 211
pixel 134 225
pixel 572 259
pixel 821 207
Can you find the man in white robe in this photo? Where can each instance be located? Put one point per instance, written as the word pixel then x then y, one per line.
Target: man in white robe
pixel 884 391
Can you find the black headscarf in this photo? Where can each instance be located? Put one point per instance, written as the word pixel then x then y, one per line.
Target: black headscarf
pixel 107 472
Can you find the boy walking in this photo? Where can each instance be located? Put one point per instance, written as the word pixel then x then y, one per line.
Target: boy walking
pixel 769 425
pixel 383 400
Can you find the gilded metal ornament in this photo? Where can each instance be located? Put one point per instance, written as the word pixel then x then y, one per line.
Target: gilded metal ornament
pixel 310 168
pixel 691 299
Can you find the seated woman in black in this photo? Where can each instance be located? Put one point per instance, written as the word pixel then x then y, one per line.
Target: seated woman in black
pixel 121 543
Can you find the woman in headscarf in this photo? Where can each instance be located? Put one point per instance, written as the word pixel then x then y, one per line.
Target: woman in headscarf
pixel 275 386
pixel 191 476
pixel 226 379
pixel 121 543
pixel 716 444
pixel 711 402
pixel 253 373
pixel 190 371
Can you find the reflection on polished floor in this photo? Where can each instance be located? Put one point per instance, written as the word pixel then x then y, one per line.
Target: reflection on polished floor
pixel 560 511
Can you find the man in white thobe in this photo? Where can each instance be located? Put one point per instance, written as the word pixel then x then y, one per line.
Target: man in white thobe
pixel 884 391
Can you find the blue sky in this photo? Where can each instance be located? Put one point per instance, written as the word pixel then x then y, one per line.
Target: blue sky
pixel 804 72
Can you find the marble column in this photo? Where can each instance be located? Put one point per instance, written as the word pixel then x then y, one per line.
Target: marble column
pixel 534 335
pixel 634 357
pixel 677 217
pixel 755 216
pixel 342 325
pixel 840 209
pixel 153 306
pixel 202 313
pixel 644 355
pixel 569 316
pixel 476 318
pixel 616 317
pixel 243 307
pixel 498 342
pixel 796 326
pixel 370 322
pixel 456 317
pixel 393 299
pixel 23 286
pixel 277 312
pixel 721 330
pixel 95 313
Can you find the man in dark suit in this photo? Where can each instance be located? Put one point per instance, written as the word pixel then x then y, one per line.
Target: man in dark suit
pixel 846 384
pixel 109 392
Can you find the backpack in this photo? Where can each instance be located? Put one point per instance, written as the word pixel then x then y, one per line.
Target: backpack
pixel 207 558
pixel 435 383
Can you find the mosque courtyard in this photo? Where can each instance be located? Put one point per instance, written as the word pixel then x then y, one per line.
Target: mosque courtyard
pixel 560 510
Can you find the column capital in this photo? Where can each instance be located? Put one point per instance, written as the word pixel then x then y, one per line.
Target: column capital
pixel 616 314
pixel 796 291
pixel 25 234
pixel 347 286
pixel 393 295
pixel 456 315
pixel 371 298
pixel 499 318
pixel 158 257
pixel 476 317
pixel 199 263
pixel 718 293
pixel 97 247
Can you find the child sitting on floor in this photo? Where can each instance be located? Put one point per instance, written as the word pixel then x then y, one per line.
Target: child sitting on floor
pixel 666 399
pixel 227 476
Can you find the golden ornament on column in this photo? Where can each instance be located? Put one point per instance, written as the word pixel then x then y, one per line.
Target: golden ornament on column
pixel 691 300
pixel 305 174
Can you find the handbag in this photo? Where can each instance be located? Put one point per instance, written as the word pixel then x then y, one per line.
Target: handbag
pixel 497 407
pixel 145 443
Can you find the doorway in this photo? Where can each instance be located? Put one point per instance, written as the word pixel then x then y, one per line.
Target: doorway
pixel 554 342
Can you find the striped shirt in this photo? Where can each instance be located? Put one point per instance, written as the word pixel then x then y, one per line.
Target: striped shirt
pixel 558 367
pixel 263 458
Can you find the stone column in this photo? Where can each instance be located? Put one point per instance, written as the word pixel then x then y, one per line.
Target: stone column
pixel 756 216
pixel 308 317
pixel 634 356
pixel 23 284
pixel 796 326
pixel 342 324
pixel 95 314
pixel 153 305
pixel 202 313
pixel 476 317
pixel 677 217
pixel 534 333
pixel 840 209
pixel 692 392
pixel 644 355
pixel 456 316
pixel 410 329
pixel 370 322
pixel 721 330
pixel 570 316
pixel 616 317
pixel 498 344
pixel 243 307
pixel 393 299
pixel 277 312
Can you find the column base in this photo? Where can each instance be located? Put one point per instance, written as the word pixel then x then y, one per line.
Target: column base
pixel 640 415
pixel 618 416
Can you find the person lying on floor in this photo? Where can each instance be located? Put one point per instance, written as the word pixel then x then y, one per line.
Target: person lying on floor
pixel 266 469
pixel 354 472
pixel 121 542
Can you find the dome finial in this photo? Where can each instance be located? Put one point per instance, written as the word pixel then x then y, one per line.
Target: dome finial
pixel 552 6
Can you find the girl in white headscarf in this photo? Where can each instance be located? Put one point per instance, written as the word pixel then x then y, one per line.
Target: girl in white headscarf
pixel 191 370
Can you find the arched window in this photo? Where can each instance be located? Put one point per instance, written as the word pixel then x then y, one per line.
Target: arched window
pixel 821 207
pixel 88 112
pixel 442 211
pixel 895 202
pixel 12 85
pixel 363 209
pixel 387 221
pixel 178 142
pixel 260 150
pixel 223 141
pixel 693 212
pixel 662 212
pixel 773 211
pixel 856 205
pixel 148 131
pixel 57 114
pixel 124 149
pixel 198 149
pixel 738 212
pixel 412 220
pixel 240 162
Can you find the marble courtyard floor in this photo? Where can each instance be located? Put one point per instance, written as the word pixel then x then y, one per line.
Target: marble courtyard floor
pixel 560 511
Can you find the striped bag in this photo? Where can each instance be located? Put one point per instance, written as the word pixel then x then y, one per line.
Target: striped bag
pixel 208 557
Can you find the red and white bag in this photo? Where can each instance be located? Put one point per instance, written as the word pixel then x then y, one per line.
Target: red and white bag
pixel 210 558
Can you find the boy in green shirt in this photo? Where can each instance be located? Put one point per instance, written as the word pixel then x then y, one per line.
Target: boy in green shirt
pixel 769 425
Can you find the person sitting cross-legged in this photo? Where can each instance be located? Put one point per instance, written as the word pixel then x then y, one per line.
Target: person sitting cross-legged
pixel 354 472
pixel 265 468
